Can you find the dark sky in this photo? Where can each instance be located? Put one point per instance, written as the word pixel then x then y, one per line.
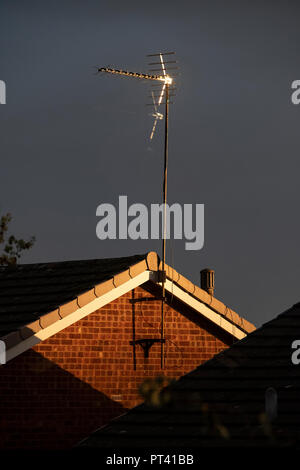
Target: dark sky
pixel 71 140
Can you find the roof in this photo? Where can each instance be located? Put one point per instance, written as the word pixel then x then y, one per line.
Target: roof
pixel 222 402
pixel 29 291
pixel 38 300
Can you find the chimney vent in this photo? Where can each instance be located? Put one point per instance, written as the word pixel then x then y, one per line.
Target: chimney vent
pixel 208 280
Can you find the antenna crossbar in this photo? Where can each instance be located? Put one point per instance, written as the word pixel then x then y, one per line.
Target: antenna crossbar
pixel 160 53
pixel 146 76
pixel 166 62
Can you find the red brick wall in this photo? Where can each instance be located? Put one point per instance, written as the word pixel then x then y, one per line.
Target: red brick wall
pixel 69 385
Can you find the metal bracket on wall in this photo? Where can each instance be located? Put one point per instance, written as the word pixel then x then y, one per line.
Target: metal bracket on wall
pixel 147 343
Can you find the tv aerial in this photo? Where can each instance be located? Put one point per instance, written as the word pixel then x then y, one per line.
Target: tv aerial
pixel 160 95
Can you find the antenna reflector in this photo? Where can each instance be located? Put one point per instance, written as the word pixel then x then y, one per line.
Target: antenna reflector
pixel 159 54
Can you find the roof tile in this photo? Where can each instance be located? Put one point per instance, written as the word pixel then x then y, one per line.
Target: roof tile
pixel 186 284
pixel 137 268
pixel 86 298
pixel 49 318
pixel 152 261
pixel 121 278
pixel 68 308
pixel 104 287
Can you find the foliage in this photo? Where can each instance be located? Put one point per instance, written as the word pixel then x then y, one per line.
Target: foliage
pixel 12 246
pixel 154 392
pixel 157 393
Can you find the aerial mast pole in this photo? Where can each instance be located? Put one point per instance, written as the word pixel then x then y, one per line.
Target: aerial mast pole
pixel 166 82
pixel 164 192
pixel 165 188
